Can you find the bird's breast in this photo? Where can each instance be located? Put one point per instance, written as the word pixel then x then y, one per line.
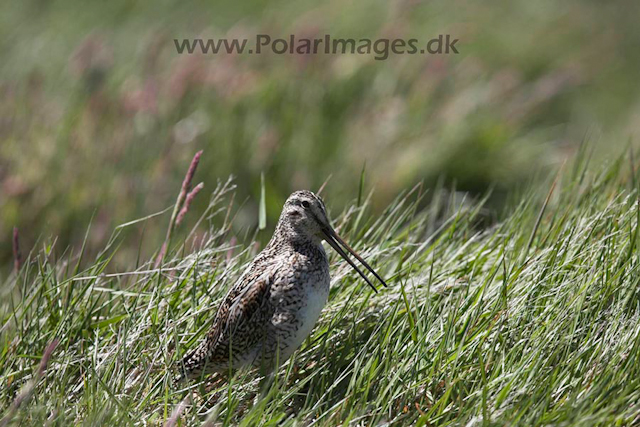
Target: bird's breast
pixel 299 304
pixel 317 295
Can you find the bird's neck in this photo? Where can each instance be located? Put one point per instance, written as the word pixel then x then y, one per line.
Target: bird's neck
pixel 285 236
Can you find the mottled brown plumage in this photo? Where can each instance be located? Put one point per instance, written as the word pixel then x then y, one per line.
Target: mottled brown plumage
pixel 275 304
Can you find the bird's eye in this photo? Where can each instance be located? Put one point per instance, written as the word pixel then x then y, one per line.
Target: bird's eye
pixel 305 204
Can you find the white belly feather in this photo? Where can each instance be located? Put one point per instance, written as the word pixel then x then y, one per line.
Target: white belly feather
pixel 306 315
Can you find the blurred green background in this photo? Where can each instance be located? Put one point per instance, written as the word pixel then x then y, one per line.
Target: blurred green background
pixel 99 115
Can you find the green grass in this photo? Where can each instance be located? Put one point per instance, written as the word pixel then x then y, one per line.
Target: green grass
pixel 534 320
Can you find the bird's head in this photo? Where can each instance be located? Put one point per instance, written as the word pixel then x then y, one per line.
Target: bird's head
pixel 304 217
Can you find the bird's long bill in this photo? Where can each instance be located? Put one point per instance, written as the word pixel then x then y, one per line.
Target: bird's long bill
pixel 335 241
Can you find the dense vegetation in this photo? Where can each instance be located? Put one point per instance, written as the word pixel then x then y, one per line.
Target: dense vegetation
pixel 514 263
pixel 534 320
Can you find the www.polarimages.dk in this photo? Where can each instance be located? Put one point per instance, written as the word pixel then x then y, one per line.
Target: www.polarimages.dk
pixel 380 48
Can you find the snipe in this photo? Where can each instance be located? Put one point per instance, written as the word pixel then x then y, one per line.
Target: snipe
pixel 276 302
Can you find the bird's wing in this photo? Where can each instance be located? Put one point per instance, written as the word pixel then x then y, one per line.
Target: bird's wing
pixel 239 323
pixel 249 306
